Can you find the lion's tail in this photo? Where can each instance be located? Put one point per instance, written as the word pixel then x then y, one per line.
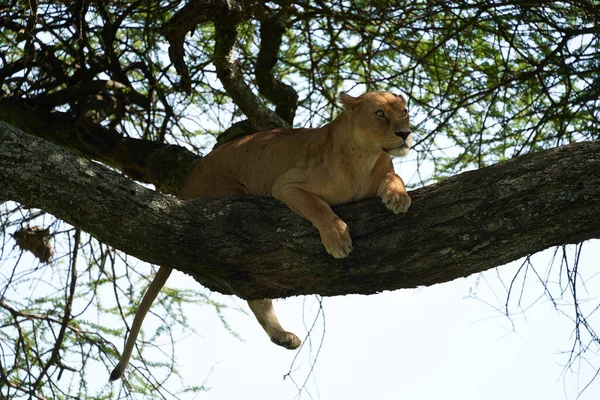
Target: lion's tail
pixel 157 283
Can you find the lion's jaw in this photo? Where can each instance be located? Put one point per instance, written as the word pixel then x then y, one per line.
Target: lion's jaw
pixel 401 150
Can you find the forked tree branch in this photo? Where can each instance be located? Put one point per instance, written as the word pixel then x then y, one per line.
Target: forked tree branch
pixel 225 15
pixel 256 247
pixel 186 20
pixel 230 74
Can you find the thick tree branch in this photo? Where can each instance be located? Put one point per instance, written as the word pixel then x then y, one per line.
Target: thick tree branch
pixel 285 98
pixel 185 20
pixel 230 75
pixel 146 161
pixel 225 15
pixel 237 130
pixel 256 247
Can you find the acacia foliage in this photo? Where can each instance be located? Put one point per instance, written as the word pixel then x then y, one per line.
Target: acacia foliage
pixel 119 81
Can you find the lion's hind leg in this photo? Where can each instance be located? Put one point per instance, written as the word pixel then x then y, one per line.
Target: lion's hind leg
pixel 265 314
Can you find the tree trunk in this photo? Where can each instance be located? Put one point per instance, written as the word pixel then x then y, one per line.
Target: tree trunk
pixel 255 247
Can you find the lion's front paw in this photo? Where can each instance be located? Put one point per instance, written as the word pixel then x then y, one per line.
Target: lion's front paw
pixel 337 240
pixel 396 201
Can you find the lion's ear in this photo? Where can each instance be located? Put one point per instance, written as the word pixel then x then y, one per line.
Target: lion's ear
pixel 347 101
pixel 400 97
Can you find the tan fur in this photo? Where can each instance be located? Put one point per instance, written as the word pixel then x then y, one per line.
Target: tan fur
pixel 309 170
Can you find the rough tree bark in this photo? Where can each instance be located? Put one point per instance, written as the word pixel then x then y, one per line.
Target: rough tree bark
pixel 163 165
pixel 255 247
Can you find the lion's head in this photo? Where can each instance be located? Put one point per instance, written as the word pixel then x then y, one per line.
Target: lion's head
pixel 380 121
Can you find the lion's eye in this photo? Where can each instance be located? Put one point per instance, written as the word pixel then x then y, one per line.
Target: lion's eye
pixel 405 113
pixel 380 114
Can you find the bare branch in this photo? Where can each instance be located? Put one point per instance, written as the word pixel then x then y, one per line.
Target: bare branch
pixel 81 90
pixel 55 355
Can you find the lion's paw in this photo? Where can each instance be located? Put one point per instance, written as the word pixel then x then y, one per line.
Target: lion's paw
pixel 337 240
pixel 396 201
pixel 287 340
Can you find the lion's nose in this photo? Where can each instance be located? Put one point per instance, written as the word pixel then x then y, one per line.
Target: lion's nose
pixel 402 134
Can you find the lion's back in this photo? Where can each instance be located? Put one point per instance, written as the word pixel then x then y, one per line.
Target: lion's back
pixel 251 164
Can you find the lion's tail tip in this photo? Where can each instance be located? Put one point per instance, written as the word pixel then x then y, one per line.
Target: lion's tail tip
pixel 116 373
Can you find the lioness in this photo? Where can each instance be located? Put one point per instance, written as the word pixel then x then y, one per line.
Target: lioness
pixel 309 170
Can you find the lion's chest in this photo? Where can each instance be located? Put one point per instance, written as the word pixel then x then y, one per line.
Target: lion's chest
pixel 348 185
